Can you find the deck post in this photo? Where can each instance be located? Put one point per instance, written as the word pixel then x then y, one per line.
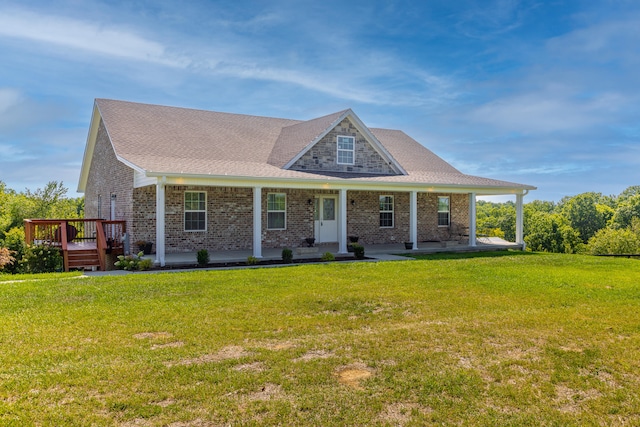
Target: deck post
pixel 257 222
pixel 413 219
pixel 472 219
pixel 160 221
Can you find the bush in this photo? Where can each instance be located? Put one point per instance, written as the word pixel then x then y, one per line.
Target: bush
pixel 6 257
pixel 203 257
pixel 287 256
pixel 41 259
pixel 133 262
pixel 252 260
pixel 358 250
pixel 328 256
pixel 610 241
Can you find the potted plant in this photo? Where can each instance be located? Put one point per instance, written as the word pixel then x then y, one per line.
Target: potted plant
pixel 144 246
pixel 352 240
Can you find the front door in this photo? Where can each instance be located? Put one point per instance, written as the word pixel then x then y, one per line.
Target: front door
pixel 325 216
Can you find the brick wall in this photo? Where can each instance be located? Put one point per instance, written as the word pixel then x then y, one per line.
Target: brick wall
pixel 323 155
pixel 108 176
pixel 230 218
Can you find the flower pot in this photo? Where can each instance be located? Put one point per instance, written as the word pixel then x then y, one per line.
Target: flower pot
pixel 408 245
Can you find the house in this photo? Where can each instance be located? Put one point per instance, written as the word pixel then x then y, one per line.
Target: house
pixel 191 179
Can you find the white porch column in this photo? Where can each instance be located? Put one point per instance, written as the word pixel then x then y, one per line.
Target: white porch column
pixel 519 219
pixel 342 223
pixel 257 222
pixel 472 219
pixel 413 219
pixel 160 220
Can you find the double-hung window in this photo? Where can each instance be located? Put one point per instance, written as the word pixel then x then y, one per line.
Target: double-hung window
pixel 276 211
pixel 346 150
pixel 195 211
pixel 386 211
pixel 444 211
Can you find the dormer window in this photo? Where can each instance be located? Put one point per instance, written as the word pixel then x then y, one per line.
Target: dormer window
pixel 346 150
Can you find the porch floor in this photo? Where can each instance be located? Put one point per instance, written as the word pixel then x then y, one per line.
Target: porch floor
pixel 376 252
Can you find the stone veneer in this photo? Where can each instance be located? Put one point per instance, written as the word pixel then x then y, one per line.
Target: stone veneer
pixel 323 155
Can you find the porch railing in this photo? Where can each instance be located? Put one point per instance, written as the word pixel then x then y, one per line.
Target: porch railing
pixel 108 236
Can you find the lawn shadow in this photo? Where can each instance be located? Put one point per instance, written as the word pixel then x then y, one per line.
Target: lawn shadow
pixel 466 255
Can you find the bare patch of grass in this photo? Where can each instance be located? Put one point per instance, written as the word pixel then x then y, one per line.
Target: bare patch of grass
pixel 353 375
pixel 229 352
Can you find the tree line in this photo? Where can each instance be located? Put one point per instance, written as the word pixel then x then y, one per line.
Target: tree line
pixel 589 223
pixel 48 202
pixel 586 223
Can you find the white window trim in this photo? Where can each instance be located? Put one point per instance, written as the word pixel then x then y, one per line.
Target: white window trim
pixel 285 211
pixel 353 150
pixel 392 211
pixel 206 216
pixel 447 211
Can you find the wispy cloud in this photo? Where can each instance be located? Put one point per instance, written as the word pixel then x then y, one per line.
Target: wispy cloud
pixel 86 36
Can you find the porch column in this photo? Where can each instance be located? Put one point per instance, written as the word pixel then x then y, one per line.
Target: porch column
pixel 472 219
pixel 342 223
pixel 519 220
pixel 413 219
pixel 160 221
pixel 257 222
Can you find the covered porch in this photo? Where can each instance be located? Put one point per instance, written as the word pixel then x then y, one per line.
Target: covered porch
pixel 379 252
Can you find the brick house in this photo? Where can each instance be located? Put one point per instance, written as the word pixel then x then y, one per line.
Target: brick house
pixel 190 179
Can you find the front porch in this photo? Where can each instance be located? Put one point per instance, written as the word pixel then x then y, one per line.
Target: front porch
pixel 379 252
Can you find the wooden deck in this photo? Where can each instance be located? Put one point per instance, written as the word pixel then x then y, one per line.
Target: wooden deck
pixel 85 243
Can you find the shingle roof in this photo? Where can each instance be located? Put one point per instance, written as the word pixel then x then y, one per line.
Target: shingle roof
pixel 173 140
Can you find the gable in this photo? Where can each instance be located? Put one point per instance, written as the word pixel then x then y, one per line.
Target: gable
pixel 323 155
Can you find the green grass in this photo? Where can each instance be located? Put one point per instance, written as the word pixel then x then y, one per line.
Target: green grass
pixel 509 340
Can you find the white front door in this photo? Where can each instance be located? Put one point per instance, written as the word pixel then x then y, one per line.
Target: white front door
pixel 326 219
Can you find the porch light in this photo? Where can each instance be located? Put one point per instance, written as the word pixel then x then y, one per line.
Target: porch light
pixel 353 202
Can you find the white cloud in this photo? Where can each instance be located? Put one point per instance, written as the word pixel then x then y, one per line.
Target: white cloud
pixel 85 36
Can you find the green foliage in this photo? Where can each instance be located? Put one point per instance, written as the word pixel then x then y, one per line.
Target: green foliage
pixel 627 210
pixel 328 256
pixel 586 213
pixel 14 241
pixel 615 241
pixel 551 233
pixel 358 250
pixel 491 216
pixel 203 257
pixel 251 260
pixel 41 259
pixel 133 262
pixel 287 256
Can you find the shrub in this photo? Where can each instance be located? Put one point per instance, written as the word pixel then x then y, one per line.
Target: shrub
pixel 6 257
pixel 287 256
pixel 614 241
pixel 252 260
pixel 358 250
pixel 41 259
pixel 328 256
pixel 133 262
pixel 203 257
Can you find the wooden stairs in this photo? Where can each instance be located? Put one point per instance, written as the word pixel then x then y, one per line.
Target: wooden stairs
pixel 83 259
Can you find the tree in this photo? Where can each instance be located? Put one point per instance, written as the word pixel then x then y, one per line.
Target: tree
pixel 549 232
pixel 587 213
pixel 627 210
pixel 614 241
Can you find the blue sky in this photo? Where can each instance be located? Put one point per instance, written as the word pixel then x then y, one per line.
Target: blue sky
pixel 545 93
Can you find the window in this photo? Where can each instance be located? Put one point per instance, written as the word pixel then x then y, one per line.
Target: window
pixel 443 211
pixel 276 211
pixel 195 211
pixel 386 211
pixel 346 148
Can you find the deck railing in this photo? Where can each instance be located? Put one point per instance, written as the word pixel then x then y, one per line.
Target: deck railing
pixel 108 235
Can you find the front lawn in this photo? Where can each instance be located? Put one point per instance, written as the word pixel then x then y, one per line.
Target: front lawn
pixel 520 339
